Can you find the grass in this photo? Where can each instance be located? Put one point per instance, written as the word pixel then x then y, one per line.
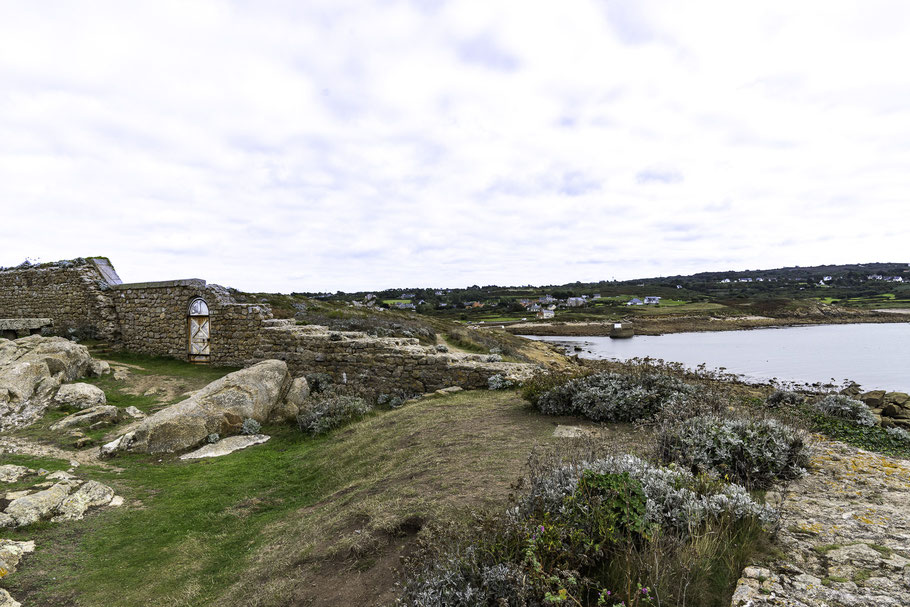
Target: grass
pixel 196 533
pixel 872 438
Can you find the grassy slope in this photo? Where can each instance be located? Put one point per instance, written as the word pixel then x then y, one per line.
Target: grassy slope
pixel 259 526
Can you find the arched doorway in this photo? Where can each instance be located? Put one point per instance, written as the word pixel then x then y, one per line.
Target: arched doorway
pixel 199 331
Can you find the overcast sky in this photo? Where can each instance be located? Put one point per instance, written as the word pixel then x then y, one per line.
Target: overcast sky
pixel 306 145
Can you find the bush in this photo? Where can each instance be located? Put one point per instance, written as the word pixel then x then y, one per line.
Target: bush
pixel 328 411
pixel 784 397
pixel 392 401
pixel 598 533
pixel 318 382
pixel 755 453
pixel 616 397
pixel 499 382
pixel 212 438
pixel 899 433
pixel 250 426
pixel 541 383
pixel 844 407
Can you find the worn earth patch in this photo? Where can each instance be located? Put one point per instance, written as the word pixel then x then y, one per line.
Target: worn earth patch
pixel 845 537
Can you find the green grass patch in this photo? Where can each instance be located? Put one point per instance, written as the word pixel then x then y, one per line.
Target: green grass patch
pixel 162 365
pixel 872 438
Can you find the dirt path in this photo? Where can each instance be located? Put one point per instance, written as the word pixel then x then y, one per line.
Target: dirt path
pixel 845 537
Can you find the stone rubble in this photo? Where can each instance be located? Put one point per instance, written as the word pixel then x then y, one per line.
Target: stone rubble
pixel 844 538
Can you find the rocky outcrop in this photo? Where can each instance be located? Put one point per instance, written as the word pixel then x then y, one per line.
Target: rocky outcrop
pixel 11 552
pixel 95 417
pixel 258 392
pixel 844 536
pixel 67 499
pixel 892 407
pixel 79 396
pixel 31 371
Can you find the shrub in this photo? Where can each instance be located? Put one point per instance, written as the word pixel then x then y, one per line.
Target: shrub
pixel 844 407
pixel 392 401
pixel 591 534
pixel 493 358
pixel 250 426
pixel 212 438
pixel 318 382
pixel 499 382
pixel 327 411
pixel 755 453
pixel 541 383
pixel 615 397
pixel 784 397
pixel 899 433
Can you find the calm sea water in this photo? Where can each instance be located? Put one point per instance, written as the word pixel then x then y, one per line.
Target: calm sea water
pixel 876 356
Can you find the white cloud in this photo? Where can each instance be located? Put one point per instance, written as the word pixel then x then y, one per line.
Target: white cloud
pixel 288 146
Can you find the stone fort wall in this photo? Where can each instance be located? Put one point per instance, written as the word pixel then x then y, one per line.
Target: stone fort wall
pixel 71 293
pixel 151 318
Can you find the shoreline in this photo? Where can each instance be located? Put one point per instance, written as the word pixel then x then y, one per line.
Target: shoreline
pixel 695 324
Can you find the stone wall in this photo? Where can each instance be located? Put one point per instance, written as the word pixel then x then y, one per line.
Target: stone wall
pixel 388 364
pixel 71 293
pixel 153 320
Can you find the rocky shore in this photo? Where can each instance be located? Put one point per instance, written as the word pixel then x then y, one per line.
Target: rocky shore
pixel 844 538
pixel 697 324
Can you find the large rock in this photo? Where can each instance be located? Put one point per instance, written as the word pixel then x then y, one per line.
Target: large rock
pixel 79 396
pixel 11 552
pixel 91 494
pixel 31 371
pixel 67 499
pixel 219 408
pixel 873 399
pixel 7 601
pixel 10 473
pixel 226 446
pixel 288 408
pixel 102 414
pixel 41 505
pixel 898 398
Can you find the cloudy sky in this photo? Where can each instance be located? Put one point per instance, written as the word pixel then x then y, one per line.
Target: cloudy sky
pixel 308 145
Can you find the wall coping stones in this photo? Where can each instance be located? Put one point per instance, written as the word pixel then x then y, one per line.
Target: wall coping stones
pixel 162 284
pixel 24 324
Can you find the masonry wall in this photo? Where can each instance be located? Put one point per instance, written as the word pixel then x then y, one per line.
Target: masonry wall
pixel 153 319
pixel 72 294
pixel 392 365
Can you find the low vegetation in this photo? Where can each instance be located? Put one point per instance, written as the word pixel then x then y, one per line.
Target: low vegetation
pixel 756 453
pixel 617 397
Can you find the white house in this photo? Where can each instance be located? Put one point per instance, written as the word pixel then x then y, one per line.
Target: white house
pixel 652 300
pixel 575 302
pixel 634 302
pixel 546 314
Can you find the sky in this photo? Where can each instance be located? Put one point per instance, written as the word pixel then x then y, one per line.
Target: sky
pixel 323 146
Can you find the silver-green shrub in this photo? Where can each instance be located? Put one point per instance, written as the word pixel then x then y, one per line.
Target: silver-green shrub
pixel 616 397
pixel 899 433
pixel 499 382
pixel 250 426
pixel 328 410
pixel 755 453
pixel 675 500
pixel 784 397
pixel 844 407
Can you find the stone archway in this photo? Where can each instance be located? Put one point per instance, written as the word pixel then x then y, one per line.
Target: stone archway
pixel 199 331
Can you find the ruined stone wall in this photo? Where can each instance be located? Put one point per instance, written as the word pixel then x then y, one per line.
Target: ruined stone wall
pixel 392 365
pixel 153 318
pixel 72 293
